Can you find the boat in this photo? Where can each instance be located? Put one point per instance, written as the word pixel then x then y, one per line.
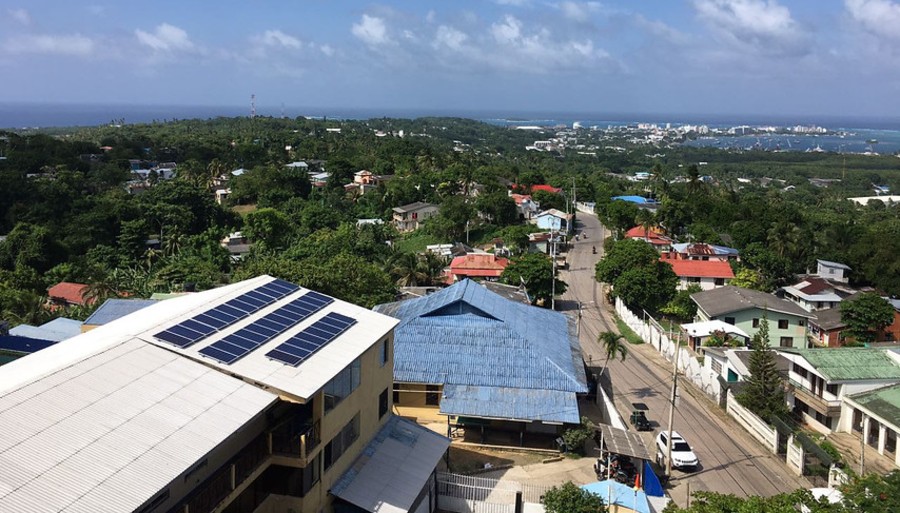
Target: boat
pixel 872 141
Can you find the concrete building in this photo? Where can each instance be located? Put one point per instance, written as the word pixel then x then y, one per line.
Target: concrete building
pixel 708 274
pixel 410 217
pixel 259 396
pixel 703 251
pixel 555 220
pixel 746 308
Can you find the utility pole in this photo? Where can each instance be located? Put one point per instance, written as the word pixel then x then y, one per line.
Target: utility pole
pixel 862 447
pixel 672 409
pixel 553 271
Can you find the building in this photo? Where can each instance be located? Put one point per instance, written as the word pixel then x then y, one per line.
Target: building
pixel 495 367
pixel 114 309
pixel 699 333
pixel 486 266
pixel 67 293
pixel 707 274
pixel 259 396
pixel 410 217
pixel 827 329
pixel 746 308
pixel 237 245
pixel 874 416
pixel 651 236
pixel 25 339
pixel 640 201
pixel 525 205
pixel 833 271
pixel 820 378
pixel 703 251
pixel 555 220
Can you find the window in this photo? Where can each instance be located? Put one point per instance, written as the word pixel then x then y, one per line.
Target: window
pixel 800 322
pixel 383 403
pixel 396 394
pixel 832 389
pixel 729 320
pixel 432 395
pixel 342 385
pixel 782 324
pixel 720 281
pixel 755 323
pixel 800 370
pixel 716 365
pixel 384 354
pixel 787 341
pixel 693 279
pixel 341 442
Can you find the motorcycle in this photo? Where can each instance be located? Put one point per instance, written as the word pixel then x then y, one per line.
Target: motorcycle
pixel 594 248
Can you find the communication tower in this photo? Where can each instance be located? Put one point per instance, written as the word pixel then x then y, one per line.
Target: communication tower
pixel 252 106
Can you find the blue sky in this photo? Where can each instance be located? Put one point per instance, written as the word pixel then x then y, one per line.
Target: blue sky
pixel 762 57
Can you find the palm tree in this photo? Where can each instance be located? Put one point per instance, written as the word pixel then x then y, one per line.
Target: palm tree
pixel 613 344
pixel 646 219
pixel 432 266
pixel 407 271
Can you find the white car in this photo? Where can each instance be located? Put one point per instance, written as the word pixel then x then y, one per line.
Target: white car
pixel 683 456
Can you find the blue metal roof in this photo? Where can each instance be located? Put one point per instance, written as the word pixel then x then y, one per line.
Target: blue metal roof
pixel 634 199
pixel 510 403
pixel 23 345
pixel 467 335
pixel 114 309
pixel 56 330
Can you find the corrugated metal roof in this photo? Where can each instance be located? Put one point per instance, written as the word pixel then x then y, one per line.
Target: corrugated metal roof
pixel 849 363
pixel 111 429
pixel 510 403
pixel 728 299
pixel 56 330
pixel 884 402
pixel 392 470
pixel 113 309
pixel 300 382
pixel 468 335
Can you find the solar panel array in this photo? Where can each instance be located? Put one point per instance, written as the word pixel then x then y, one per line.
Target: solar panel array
pixel 236 345
pixel 303 344
pixel 191 331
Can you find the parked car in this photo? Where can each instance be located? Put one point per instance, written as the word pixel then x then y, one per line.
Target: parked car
pixel 683 456
pixel 639 421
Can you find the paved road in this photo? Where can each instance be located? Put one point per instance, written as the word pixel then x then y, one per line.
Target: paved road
pixel 731 461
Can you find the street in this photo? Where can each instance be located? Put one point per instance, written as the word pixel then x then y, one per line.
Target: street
pixel 730 460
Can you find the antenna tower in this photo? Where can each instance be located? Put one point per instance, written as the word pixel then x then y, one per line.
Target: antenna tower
pixel 252 106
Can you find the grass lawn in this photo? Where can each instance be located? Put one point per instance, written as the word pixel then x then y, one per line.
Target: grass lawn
pixel 244 209
pixel 415 242
pixel 626 332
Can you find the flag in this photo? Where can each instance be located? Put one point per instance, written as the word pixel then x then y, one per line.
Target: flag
pixel 637 482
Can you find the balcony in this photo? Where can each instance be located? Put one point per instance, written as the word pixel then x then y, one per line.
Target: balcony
pixel 829 408
pixel 296 438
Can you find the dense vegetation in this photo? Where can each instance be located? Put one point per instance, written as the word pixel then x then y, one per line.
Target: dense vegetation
pixel 68 217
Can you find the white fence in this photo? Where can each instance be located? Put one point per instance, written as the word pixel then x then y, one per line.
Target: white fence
pixel 796 456
pixel 586 207
pixel 652 333
pixel 471 494
pixel 766 434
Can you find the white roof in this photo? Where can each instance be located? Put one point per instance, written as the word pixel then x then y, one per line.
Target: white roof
pixel 823 296
pixel 300 382
pixel 707 328
pixel 113 426
pixel 389 474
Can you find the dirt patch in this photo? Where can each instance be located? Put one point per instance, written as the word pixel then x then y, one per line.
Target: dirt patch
pixel 468 459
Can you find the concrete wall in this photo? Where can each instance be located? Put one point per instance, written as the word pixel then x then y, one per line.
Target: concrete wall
pixel 705 283
pixel 764 433
pixel 413 394
pixel 744 320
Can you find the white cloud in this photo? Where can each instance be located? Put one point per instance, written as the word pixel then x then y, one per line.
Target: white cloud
pixel 764 24
pixel 514 3
pixel 327 50
pixel 165 38
pixel 880 17
pixel 371 30
pixel 449 37
pixel 579 11
pixel 20 16
pixel 74 45
pixel 508 31
pixel 279 38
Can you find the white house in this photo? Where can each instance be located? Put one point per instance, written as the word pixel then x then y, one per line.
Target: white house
pixel 832 271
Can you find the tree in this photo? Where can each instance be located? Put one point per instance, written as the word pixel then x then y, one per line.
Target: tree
pixel 748 279
pixel 569 498
pixel 866 315
pixel 497 208
pixel 269 228
pixel 682 306
pixel 534 271
pixel 764 392
pixel 613 344
pixel 649 287
pixel 624 255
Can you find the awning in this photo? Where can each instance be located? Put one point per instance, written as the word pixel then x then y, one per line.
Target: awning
pixel 391 471
pixel 622 495
pixel 517 404
pixel 707 328
pixel 619 441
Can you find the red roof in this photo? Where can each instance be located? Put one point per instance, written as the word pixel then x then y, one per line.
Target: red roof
pixel 539 187
pixel 519 198
pixel 700 268
pixel 654 237
pixel 69 292
pixel 478 264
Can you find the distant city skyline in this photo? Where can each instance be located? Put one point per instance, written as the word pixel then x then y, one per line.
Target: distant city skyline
pixel 758 57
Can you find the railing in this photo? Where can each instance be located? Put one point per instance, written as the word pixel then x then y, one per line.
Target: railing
pixel 297 441
pixel 228 477
pixel 820 403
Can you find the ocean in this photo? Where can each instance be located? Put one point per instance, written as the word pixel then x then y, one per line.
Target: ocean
pixel 860 130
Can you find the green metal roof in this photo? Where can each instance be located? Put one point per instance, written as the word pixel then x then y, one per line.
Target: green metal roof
pixel 884 402
pixel 850 363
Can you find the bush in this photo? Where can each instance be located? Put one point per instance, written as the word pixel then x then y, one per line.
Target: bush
pixel 569 498
pixel 576 437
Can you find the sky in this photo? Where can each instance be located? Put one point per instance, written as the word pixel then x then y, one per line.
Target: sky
pixel 760 57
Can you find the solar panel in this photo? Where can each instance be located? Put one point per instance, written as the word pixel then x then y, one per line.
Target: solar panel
pixel 191 331
pixel 235 346
pixel 303 344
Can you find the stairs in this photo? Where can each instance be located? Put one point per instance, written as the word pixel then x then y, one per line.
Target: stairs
pixel 848 445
